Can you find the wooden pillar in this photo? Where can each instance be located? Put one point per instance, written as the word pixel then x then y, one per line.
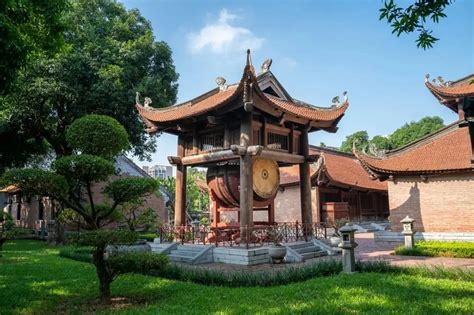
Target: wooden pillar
pixel 180 196
pixel 227 136
pixel 246 179
pixel 305 184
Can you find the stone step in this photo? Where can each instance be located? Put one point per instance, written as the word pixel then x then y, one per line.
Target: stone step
pixel 300 245
pixel 315 254
pixel 179 258
pixel 308 249
pixel 196 248
pixel 184 253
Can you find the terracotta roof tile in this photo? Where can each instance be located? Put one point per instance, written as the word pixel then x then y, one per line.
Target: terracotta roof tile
pixel 341 169
pixel 347 170
pixel 447 150
pixel 207 102
pixel 308 111
pixel 451 91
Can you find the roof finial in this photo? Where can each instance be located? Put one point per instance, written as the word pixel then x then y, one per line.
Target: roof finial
pixel 137 98
pixel 427 77
pixel 266 65
pixel 335 99
pixel 249 62
pixel 221 83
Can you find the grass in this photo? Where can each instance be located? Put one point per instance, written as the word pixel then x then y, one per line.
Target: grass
pixel 35 280
pixel 439 249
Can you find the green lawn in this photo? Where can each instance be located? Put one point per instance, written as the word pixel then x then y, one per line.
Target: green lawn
pixel 34 279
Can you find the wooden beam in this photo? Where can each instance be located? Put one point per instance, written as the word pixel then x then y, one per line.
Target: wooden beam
pixel 254 150
pixel 210 157
pixel 174 160
pixel 238 149
pixel 195 142
pixel 280 156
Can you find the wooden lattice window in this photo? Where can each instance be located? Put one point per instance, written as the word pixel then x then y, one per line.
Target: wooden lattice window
pixel 212 141
pixel 277 141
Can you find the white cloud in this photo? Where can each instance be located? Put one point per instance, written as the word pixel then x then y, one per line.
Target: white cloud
pixel 221 36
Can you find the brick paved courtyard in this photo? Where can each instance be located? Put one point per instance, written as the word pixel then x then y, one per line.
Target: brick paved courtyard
pixel 367 250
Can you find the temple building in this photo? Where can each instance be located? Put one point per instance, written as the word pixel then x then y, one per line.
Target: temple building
pixel 243 133
pixel 340 189
pixel 432 179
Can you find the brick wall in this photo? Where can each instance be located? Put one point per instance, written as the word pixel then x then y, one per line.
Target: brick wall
pixel 444 203
pixel 152 201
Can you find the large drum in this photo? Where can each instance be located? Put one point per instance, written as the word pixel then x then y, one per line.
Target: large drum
pixel 224 181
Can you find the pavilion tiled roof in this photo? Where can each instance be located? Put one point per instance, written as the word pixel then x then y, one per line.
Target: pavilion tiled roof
pixel 446 93
pixel 341 169
pixel 207 102
pixel 11 189
pixel 309 111
pixel 447 150
pixel 216 98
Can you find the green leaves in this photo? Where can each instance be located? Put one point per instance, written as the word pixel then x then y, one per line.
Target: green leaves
pixel 36 182
pixel 97 135
pixel 131 188
pixel 102 238
pixel 413 19
pixel 402 136
pixel 84 168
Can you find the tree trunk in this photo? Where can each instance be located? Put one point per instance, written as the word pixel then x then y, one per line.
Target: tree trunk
pixel 58 233
pixel 2 241
pixel 103 274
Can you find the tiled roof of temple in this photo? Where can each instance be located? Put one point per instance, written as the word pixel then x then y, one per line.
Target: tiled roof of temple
pixel 338 168
pixel 446 91
pixel 316 117
pixel 446 150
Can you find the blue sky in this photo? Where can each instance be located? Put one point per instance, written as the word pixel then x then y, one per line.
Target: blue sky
pixel 319 49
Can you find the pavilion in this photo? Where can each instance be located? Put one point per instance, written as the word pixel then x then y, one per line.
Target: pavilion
pixel 243 133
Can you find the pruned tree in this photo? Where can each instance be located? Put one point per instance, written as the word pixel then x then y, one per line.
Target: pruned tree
pixel 415 18
pixel 71 181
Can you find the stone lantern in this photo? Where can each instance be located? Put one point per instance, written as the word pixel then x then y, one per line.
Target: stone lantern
pixel 347 245
pixel 408 232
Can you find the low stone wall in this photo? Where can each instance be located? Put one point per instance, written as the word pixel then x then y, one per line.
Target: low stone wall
pixel 387 236
pixel 241 256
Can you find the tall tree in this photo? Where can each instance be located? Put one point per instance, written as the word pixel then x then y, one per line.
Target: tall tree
pixel 359 138
pixel 415 130
pixel 110 54
pixel 27 28
pixel 414 18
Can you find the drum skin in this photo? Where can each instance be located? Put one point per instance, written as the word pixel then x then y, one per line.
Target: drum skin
pixel 224 181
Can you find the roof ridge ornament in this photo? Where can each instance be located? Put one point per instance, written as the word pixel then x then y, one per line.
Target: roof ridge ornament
pixel 438 81
pixel 147 103
pixel 335 99
pixel 266 65
pixel 221 83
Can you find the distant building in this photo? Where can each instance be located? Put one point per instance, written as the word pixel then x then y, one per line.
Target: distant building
pixel 432 179
pixel 33 211
pixel 159 171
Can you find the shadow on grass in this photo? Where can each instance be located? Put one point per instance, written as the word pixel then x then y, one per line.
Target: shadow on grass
pixel 36 280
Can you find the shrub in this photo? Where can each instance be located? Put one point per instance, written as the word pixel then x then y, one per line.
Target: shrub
pixel 150 237
pixel 439 249
pixel 137 262
pixel 83 254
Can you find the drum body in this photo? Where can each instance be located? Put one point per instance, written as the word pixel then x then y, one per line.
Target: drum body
pixel 224 183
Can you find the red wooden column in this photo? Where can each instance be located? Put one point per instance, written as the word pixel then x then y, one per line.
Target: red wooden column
pixel 180 196
pixel 305 184
pixel 246 178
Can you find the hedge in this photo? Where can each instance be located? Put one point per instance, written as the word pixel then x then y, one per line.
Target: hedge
pixel 439 249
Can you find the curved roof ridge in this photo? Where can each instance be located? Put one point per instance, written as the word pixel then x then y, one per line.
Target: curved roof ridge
pixel 423 140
